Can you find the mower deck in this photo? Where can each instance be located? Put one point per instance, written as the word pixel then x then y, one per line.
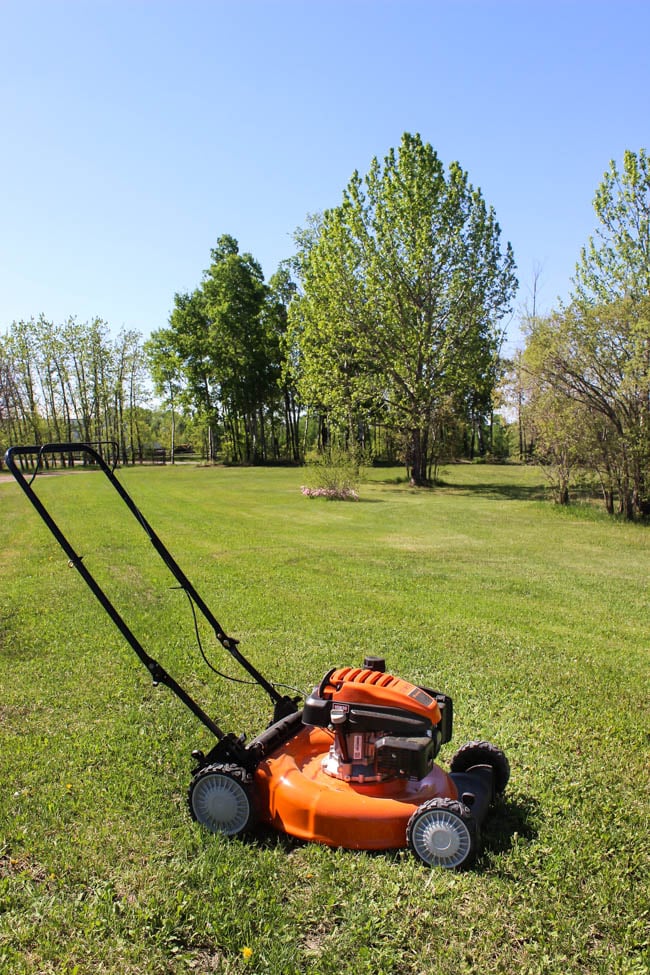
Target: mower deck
pixel 296 796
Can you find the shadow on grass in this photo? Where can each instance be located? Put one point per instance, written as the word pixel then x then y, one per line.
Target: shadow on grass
pixel 510 820
pixel 488 489
pixel 270 839
pixel 507 492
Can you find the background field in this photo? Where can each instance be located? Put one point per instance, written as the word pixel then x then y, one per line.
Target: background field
pixel 533 618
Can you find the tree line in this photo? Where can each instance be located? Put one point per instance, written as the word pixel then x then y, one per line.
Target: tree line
pixel 381 337
pixel 71 381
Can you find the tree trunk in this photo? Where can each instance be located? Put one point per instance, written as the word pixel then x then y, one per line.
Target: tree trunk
pixel 417 459
pixel 173 422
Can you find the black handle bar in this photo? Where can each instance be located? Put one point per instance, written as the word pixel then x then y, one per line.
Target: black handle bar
pixel 159 675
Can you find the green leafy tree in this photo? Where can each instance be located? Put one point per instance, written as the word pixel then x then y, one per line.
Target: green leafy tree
pixel 229 339
pixel 597 352
pixel 245 366
pixel 599 358
pixel 404 284
pixel 165 367
pixel 189 334
pixel 554 422
pixel 281 292
pixel 615 263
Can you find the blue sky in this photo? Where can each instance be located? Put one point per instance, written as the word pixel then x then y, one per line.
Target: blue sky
pixel 135 133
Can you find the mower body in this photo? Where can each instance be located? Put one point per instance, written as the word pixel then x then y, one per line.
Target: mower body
pixel 361 763
pixel 355 768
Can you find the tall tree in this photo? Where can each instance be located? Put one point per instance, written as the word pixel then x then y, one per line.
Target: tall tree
pixel 599 358
pixel 228 336
pixel 615 263
pixel 165 367
pixel 597 352
pixel 281 292
pixel 403 289
pixel 235 293
pixel 189 334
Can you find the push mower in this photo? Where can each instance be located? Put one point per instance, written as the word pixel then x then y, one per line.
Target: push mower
pixel 354 767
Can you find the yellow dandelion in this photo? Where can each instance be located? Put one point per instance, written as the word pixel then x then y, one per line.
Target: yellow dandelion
pixel 247 952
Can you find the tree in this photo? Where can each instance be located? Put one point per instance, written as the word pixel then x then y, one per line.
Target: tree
pixel 281 292
pixel 554 422
pixel 165 367
pixel 587 366
pixel 616 263
pixel 240 345
pixel 599 358
pixel 16 424
pixel 229 337
pixel 189 334
pixel 404 285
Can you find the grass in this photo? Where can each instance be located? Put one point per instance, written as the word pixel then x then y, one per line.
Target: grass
pixel 532 618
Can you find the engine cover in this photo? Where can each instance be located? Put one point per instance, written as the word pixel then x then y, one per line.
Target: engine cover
pixel 384 727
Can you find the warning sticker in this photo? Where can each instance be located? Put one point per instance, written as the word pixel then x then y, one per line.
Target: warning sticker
pixel 421 697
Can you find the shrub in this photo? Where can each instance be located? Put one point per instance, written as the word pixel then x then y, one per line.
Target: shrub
pixel 335 475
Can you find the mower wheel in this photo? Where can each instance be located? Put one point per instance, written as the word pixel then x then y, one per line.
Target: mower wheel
pixel 443 833
pixel 220 798
pixel 483 753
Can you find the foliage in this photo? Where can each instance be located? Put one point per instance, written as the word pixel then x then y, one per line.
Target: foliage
pixel 240 352
pixel 404 284
pixel 335 475
pixel 227 337
pixel 588 366
pixel 71 381
pixel 594 365
pixel 616 264
pixel 164 365
pixel 527 615
pixel 282 290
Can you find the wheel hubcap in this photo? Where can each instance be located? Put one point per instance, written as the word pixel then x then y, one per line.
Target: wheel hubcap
pixel 221 804
pixel 441 839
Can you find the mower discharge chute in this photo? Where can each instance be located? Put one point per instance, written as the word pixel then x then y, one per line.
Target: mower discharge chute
pixel 353 768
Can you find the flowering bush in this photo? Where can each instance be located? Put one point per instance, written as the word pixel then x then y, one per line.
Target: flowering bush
pixel 335 476
pixel 334 494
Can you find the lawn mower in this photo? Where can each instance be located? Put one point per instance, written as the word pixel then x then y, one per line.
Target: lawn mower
pixel 353 767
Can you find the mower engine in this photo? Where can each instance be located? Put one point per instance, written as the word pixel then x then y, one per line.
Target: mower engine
pixel 384 727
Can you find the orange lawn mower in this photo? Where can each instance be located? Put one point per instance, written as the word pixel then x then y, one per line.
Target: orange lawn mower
pixel 354 767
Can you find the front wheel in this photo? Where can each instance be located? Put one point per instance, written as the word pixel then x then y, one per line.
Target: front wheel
pixel 220 799
pixel 442 833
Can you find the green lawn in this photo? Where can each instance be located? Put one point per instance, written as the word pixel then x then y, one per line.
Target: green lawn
pixel 534 619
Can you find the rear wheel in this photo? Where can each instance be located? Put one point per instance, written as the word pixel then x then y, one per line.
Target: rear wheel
pixel 442 833
pixel 483 753
pixel 220 799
